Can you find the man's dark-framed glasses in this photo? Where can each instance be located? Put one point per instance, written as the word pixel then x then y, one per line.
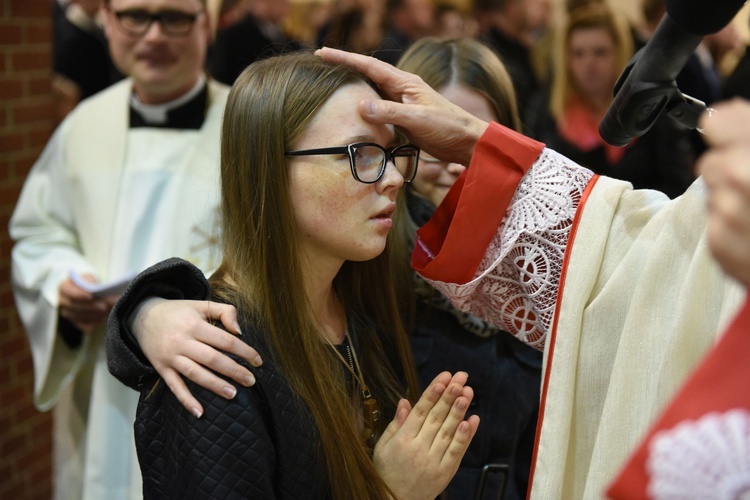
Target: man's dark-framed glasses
pixel 137 22
pixel 368 161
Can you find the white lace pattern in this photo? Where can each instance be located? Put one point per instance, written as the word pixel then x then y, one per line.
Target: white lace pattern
pixel 708 458
pixel 517 281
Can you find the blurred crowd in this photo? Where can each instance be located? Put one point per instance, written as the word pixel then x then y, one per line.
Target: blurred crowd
pixel 563 60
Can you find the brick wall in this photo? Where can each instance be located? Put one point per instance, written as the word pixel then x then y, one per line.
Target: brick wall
pixel 26 122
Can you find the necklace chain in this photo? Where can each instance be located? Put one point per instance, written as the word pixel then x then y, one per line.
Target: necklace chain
pixel 358 374
pixel 370 411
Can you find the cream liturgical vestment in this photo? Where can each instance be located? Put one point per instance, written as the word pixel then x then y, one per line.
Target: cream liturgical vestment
pixel 617 286
pixel 108 200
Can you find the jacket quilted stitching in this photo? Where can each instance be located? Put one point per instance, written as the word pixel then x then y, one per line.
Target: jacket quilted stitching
pixel 261 444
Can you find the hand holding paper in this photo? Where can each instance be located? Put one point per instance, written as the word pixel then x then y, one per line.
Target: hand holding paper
pixel 115 287
pixel 86 303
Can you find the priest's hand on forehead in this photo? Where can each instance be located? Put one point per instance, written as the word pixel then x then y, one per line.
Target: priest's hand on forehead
pixel 431 122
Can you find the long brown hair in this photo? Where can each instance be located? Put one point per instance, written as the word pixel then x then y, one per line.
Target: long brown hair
pixel 269 106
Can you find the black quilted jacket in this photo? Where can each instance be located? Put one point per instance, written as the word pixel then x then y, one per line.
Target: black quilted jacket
pixel 261 444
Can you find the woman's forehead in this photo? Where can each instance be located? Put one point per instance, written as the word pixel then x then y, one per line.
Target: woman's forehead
pixel 339 116
pixel 355 91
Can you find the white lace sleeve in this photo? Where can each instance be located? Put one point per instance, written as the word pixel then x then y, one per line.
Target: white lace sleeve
pixel 517 281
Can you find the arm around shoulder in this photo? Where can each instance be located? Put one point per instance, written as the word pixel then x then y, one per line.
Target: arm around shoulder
pixel 171 279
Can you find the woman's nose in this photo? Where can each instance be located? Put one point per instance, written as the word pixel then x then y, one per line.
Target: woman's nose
pixel 391 177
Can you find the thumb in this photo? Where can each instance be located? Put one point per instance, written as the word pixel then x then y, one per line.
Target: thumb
pixel 374 111
pixel 402 411
pixel 379 112
pixel 409 117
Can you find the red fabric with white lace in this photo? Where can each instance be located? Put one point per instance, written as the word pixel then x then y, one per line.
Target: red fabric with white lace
pixel 477 202
pixel 700 446
pixel 496 244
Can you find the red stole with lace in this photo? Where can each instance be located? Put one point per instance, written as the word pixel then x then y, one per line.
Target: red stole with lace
pixel 700 446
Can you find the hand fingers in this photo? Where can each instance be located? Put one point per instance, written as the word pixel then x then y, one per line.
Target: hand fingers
pixel 438 127
pixel 731 205
pixel 225 313
pixel 72 293
pixel 726 173
pixel 404 411
pixel 85 315
pixel 97 308
pixel 728 230
pixel 403 408
pixel 110 300
pixel 226 342
pixel 179 389
pixel 204 377
pixel 730 248
pixel 726 166
pixel 406 116
pixel 395 84
pixel 726 123
pixel 189 361
pixel 447 432
pixel 386 76
pixel 80 307
pixel 431 122
pixel 465 432
pixel 177 338
pixel 445 416
pixel 219 363
pixel 430 411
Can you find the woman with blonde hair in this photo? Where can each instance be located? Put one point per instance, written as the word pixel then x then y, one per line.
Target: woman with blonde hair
pixel 593 48
pixel 505 373
pixel 308 198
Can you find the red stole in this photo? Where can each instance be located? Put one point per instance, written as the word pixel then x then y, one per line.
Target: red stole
pixel 451 252
pixel 709 419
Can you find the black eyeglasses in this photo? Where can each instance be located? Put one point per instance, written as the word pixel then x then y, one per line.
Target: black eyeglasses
pixel 137 22
pixel 368 160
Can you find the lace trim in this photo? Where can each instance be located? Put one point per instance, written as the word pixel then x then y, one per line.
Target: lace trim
pixel 517 281
pixel 421 210
pixel 708 458
pixel 428 295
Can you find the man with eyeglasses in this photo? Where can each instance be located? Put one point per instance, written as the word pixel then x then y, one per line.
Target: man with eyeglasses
pixel 128 179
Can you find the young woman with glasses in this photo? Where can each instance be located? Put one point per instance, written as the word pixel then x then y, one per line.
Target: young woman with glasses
pixel 505 372
pixel 309 193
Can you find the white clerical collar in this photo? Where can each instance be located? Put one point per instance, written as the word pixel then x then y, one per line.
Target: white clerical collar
pixel 157 113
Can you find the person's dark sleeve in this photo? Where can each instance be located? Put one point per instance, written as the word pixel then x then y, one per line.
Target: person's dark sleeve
pixel 227 453
pixel 170 279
